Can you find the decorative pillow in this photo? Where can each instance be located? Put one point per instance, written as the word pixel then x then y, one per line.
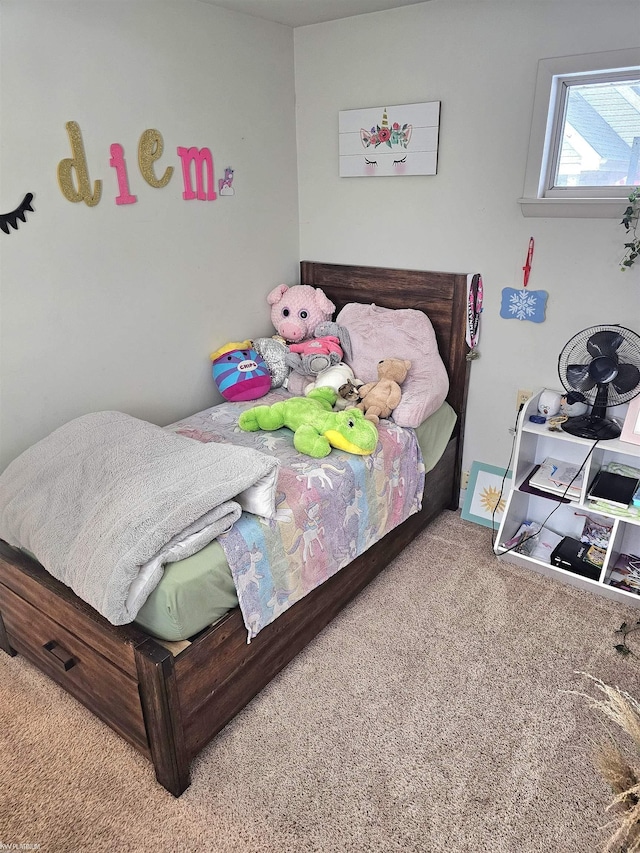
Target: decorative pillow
pixel 240 372
pixel 378 333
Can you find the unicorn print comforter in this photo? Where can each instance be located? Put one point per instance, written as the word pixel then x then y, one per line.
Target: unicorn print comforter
pixel 328 511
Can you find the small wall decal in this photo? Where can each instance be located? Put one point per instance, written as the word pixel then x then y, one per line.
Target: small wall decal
pixel 382 141
pixel 523 304
pixel 8 220
pixel 225 184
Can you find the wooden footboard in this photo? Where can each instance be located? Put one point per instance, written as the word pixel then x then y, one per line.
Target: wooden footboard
pixel 123 676
pixel 168 707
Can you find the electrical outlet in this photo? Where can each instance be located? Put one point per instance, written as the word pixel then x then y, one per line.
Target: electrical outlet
pixel 522 398
pixel 464 480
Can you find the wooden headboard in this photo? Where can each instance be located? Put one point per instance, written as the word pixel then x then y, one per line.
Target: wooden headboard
pixel 441 295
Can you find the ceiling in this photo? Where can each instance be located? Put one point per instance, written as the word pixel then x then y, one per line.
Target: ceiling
pixel 299 13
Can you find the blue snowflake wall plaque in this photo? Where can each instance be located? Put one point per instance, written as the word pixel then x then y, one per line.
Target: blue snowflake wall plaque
pixel 523 304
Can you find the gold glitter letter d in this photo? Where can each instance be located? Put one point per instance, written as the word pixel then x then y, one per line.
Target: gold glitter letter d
pixel 78 162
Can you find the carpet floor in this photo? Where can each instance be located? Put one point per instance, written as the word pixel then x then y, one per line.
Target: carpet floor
pixel 438 712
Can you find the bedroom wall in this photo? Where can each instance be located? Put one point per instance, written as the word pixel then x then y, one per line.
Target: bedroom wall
pixel 118 306
pixel 480 60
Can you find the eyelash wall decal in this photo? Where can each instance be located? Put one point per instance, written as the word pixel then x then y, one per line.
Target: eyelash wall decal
pixel 11 219
pixel 370 162
pixel 397 162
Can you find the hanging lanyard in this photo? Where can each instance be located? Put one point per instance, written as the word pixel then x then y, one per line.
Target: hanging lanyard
pixel 474 309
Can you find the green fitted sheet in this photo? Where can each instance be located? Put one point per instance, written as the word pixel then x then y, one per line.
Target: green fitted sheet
pixel 197 591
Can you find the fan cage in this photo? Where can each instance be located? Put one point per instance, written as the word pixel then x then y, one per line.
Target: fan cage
pixel 575 352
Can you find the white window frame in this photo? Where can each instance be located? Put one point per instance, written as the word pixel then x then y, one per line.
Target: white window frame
pixel 546 127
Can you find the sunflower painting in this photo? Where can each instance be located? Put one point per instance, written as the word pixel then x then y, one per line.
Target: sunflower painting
pixel 486 495
pixel 491 499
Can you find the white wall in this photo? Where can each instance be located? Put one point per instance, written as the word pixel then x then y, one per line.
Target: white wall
pixel 119 306
pixel 480 60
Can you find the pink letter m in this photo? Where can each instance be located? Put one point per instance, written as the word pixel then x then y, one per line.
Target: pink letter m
pixel 199 157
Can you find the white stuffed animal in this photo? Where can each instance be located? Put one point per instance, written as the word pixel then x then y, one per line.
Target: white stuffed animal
pixel 335 377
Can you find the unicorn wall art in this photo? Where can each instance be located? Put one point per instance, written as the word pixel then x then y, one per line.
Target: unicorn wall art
pixel 400 140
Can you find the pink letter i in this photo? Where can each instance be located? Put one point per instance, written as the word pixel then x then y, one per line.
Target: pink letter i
pixel 118 163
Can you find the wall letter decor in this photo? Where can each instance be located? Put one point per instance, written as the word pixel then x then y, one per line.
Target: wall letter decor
pixel 200 157
pixel 79 163
pixel 150 149
pixel 197 167
pixel 118 163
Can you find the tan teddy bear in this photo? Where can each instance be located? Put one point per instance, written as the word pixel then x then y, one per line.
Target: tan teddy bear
pixel 379 399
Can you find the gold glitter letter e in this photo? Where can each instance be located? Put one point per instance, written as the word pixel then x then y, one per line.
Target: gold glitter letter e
pixel 150 149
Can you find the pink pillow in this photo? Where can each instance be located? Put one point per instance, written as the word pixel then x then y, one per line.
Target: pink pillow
pixel 378 333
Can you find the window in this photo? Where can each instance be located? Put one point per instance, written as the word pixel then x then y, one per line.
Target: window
pixel 596 135
pixel 584 150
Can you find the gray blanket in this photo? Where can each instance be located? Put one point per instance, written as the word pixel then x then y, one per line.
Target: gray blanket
pixel 105 500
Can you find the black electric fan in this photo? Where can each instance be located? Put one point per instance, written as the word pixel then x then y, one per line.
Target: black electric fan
pixel 602 364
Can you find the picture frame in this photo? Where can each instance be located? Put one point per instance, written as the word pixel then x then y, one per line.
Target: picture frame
pixel 384 141
pixel 631 427
pixel 487 486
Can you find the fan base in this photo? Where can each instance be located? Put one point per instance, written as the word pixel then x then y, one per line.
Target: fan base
pixel 597 429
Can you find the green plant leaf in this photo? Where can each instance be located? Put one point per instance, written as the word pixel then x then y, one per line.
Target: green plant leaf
pixel 630 221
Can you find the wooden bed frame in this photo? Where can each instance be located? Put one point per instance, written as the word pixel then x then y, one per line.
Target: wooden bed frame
pixel 170 706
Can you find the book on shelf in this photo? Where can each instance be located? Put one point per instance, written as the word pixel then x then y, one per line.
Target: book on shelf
pixel 615 489
pixel 636 497
pixel 558 478
pixel 526 486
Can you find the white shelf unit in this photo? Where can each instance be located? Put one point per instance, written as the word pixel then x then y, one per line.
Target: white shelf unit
pixel 535 442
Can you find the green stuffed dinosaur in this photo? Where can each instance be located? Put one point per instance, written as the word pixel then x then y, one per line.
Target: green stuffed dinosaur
pixel 316 427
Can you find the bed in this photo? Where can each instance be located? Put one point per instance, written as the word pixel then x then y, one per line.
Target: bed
pixel 168 701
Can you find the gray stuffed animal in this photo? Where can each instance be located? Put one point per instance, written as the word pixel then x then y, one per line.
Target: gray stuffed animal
pixel 330 327
pixel 313 363
pixel 274 351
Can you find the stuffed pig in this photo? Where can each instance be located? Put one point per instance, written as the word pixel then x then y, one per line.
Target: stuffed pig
pixel 297 311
